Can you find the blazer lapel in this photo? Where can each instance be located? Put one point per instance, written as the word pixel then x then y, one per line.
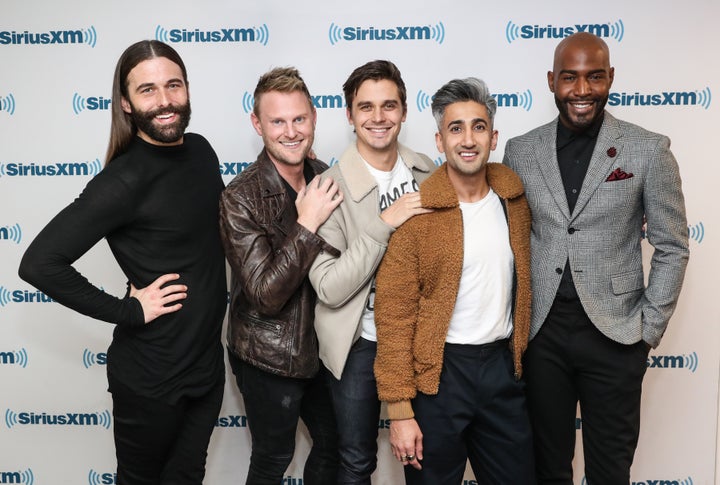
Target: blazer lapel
pixel 600 163
pixel 546 156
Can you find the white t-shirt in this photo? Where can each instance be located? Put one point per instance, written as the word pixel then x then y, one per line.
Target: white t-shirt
pixel 483 310
pixel 391 186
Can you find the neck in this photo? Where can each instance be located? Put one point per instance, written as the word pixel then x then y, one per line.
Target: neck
pixel 293 174
pixel 380 160
pixel 469 188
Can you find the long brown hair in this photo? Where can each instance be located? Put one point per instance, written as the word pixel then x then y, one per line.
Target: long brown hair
pixel 122 128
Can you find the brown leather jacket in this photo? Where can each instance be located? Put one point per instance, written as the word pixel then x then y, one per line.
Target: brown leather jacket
pixel 272 303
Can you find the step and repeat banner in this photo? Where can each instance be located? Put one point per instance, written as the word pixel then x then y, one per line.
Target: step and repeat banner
pixel 56 66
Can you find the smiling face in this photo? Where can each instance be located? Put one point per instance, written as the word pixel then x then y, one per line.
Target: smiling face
pixel 581 79
pixel 286 123
pixel 466 137
pixel 158 101
pixel 377 114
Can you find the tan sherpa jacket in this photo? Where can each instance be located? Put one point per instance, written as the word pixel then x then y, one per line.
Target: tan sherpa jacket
pixel 417 285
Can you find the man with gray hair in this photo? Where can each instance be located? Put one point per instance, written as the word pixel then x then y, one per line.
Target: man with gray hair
pixel 453 309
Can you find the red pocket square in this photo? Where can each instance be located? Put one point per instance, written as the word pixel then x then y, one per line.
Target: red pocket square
pixel 618 174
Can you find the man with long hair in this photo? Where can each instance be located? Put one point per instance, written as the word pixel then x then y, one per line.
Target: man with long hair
pixel 156 204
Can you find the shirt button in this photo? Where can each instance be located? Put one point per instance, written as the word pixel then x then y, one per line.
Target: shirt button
pixel 574 191
pixel 558 270
pixel 571 230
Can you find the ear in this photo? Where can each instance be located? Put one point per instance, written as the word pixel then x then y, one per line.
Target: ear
pixel 348 114
pixel 256 124
pixel 551 81
pixel 438 142
pixel 494 140
pixel 611 75
pixel 125 105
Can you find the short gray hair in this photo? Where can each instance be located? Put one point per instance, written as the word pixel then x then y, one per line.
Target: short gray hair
pixel 459 90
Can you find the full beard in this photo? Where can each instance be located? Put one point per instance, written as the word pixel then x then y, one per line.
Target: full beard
pixel 170 133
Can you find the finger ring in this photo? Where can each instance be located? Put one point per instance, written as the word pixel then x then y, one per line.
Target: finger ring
pixel 410 457
pixel 404 458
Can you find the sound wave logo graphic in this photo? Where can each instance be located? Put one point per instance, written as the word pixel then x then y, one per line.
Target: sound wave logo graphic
pixel 11 233
pixel 438 161
pixel 248 101
pixel 88 359
pixel 333 161
pixel 15 357
pixel 5 296
pixel 423 101
pixel 704 98
pixel 161 34
pixel 614 30
pixel 526 100
pixel 78 103
pixel 7 104
pixel 262 34
pixel 691 362
pixel 697 232
pixel 90 36
pixel 10 419
pixel 334 33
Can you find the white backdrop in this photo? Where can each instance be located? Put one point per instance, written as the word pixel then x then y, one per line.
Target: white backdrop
pixel 56 65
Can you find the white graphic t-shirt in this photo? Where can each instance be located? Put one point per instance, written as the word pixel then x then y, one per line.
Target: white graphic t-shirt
pixel 391 186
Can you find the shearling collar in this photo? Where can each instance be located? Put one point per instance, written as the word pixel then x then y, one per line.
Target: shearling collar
pixel 437 192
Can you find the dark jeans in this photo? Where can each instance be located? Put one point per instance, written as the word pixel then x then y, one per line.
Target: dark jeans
pixel 569 361
pixel 273 405
pixel 157 443
pixel 357 409
pixel 478 414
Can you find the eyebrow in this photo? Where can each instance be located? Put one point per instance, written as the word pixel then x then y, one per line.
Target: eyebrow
pixel 472 122
pixel 169 81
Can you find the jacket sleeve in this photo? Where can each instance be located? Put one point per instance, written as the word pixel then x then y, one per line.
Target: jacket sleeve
pixel 103 206
pixel 338 277
pixel 667 232
pixel 268 274
pixel 397 304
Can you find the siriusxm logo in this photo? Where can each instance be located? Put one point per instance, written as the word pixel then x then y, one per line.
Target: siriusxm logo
pixel 14 357
pixel 11 233
pixel 22 296
pixel 685 361
pixel 231 421
pixel 57 169
pixel 290 480
pixel 21 476
pixel 513 32
pixel 435 33
pixel 80 36
pixel 233 168
pixel 7 104
pixel 578 423
pixel 95 478
pixel 261 35
pixel 659 481
pixel 102 418
pixel 93 103
pixel 701 98
pixel 90 359
pixel 523 100
pixel 322 101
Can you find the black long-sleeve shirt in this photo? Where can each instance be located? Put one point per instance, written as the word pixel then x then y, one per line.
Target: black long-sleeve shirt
pixel 157 206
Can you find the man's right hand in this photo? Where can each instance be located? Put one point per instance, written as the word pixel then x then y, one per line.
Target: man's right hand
pixel 402 209
pixel 155 297
pixel 406 441
pixel 316 202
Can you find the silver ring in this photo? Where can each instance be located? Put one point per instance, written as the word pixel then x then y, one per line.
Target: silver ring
pixel 410 457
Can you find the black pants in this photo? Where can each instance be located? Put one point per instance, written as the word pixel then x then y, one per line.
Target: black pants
pixel 273 405
pixel 157 443
pixel 570 361
pixel 478 414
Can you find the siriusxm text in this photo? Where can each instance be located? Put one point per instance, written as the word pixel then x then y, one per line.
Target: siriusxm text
pixel 51 37
pixel 27 296
pixel 397 33
pixel 552 32
pixel 66 419
pixel 671 98
pixel 222 35
pixel 51 170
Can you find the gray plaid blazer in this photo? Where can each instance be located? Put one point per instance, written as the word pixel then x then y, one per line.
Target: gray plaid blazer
pixel 632 174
